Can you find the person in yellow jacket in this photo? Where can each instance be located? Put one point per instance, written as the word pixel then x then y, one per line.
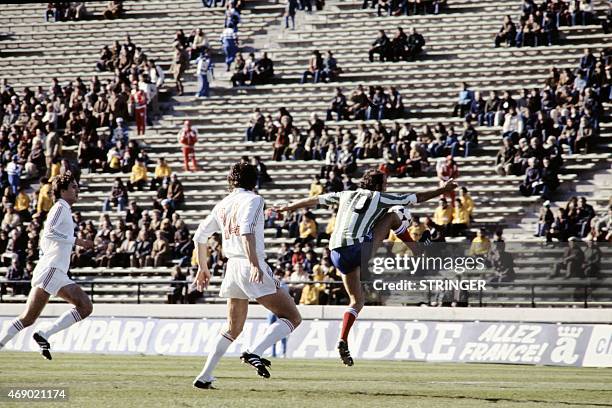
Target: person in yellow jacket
pixel 138 178
pixel 443 215
pixel 44 201
pixel 22 204
pixel 466 201
pixel 308 228
pixel 162 171
pixel 312 291
pixel 316 188
pixel 461 219
pixel 481 245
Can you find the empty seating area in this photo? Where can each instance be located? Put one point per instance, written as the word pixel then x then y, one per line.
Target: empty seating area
pixel 459 48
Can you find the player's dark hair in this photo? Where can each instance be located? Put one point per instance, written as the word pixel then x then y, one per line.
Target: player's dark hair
pixel 372 180
pixel 61 183
pixel 242 175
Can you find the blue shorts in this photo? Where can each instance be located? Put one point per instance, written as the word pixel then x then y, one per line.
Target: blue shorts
pixel 347 258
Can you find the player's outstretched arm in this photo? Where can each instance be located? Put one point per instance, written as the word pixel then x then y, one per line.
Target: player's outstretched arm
pixel 306 202
pixel 428 195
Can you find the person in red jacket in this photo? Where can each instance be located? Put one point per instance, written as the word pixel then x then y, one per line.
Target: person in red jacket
pixel 140 110
pixel 447 171
pixel 187 138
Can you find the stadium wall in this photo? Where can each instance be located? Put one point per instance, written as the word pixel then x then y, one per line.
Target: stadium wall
pixel 564 337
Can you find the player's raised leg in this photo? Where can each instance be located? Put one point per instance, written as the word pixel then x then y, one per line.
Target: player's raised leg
pixel 37 300
pixel 282 305
pixel 236 316
pixel 83 307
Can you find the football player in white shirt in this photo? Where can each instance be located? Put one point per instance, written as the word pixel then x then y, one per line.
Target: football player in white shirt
pixel 239 217
pixel 50 276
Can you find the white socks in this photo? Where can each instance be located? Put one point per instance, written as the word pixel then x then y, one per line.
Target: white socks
pixel 275 332
pixel 223 342
pixel 15 327
pixel 63 322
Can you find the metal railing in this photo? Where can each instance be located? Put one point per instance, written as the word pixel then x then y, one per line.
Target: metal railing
pixel 482 297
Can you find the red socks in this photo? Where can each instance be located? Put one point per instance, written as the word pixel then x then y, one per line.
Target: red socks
pixel 347 322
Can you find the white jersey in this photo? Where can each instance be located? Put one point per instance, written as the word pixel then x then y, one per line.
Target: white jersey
pixel 57 239
pixel 240 213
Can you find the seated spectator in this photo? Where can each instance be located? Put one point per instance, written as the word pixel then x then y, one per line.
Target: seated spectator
pixel 118 197
pixel 308 228
pixel 114 9
pixel 331 70
pixel 398 45
pixel 256 130
pixel 176 193
pixel 550 179
pixel 559 228
pixel 22 205
pixel 380 46
pixel 477 109
pixel 481 244
pixel 446 171
pixel 142 250
pixel 315 66
pixel 296 285
pixel 239 77
pixel 592 260
pixel 507 33
pixel 461 219
pixel 338 105
pixel 262 172
pixel 139 177
pixel 532 184
pixel 502 262
pixel 464 101
pixel 466 201
pixel 513 125
pixel 468 141
pixel 572 261
pixel 585 214
pixel 443 215
pixel 545 220
pixel 264 70
pixel 415 44
pixel 358 103
pixel 162 171
pixel 378 104
pixel 160 252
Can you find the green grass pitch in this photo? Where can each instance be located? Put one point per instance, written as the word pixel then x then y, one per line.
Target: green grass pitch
pixel 160 381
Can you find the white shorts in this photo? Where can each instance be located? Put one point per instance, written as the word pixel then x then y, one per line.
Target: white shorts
pixel 236 284
pixel 50 279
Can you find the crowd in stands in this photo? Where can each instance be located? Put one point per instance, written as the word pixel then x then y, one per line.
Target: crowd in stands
pixel 320 69
pixel 400 47
pixel 539 23
pixel 255 71
pixel 406 7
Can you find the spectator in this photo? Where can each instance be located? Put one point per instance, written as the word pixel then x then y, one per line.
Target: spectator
pixel 176 193
pixel 545 220
pixel 338 105
pixel 468 142
pixel 559 228
pixel 592 260
pixel 162 171
pixel 585 215
pixel 290 11
pixel 264 70
pixel 177 287
pixel 331 70
pixel 230 43
pixel 466 201
pixel 14 170
pixel 443 215
pixel 142 250
pixel 448 171
pixel 114 9
pixel 502 263
pixel 139 177
pixel 572 261
pixel 187 138
pixel 507 33
pixel 464 101
pixel 262 172
pixel 308 228
pixel 481 244
pixel 205 74
pixel 315 66
pixel 118 197
pixel 180 63
pixel 460 219
pixel 160 251
pixel 380 46
pixel 415 44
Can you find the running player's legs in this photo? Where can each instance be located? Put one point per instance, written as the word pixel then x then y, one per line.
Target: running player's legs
pixel 73 294
pixel 282 305
pixel 237 310
pixel 37 300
